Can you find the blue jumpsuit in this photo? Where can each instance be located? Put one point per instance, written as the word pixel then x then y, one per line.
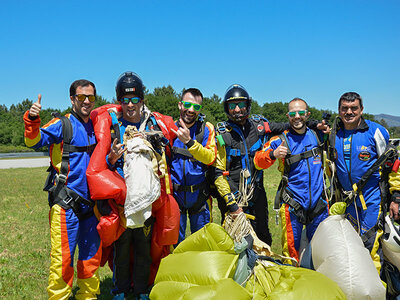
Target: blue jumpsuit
pixel 305 181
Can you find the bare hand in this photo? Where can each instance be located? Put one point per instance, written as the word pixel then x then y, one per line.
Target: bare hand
pixel 324 127
pixel 281 151
pixel 235 213
pixel 183 132
pixel 36 107
pixel 116 152
pixel 394 210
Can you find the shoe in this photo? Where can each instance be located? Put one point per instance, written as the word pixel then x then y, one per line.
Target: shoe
pixel 143 297
pixel 120 296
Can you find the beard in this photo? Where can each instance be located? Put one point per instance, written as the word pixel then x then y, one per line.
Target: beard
pixel 188 119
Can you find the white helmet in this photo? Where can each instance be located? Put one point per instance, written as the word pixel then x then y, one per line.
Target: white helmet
pixel 391 242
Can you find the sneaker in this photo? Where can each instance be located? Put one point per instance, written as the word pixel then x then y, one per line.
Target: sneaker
pixel 120 296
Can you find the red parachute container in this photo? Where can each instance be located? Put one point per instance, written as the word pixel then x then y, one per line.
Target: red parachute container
pixel 107 184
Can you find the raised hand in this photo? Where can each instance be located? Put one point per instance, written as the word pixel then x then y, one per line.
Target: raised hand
pixel 116 152
pixel 324 127
pixel 36 107
pixel 281 151
pixel 183 133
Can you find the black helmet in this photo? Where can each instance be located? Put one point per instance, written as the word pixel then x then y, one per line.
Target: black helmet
pixel 129 83
pixel 237 92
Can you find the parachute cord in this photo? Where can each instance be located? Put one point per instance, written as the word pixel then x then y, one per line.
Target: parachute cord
pixel 237 227
pixel 358 219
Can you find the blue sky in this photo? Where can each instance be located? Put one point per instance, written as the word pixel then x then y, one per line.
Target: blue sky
pixel 277 50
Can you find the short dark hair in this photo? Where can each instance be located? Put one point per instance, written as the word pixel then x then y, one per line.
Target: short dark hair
pixel 350 97
pixel 195 92
pixel 80 82
pixel 298 99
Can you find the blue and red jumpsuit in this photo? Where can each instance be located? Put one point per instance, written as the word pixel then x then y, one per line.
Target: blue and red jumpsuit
pixel 305 182
pixel 66 230
pixel 188 175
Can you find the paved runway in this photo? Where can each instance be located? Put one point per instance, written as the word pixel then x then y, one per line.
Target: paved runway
pixel 24 163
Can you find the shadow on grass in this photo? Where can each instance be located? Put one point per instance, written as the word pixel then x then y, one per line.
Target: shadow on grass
pixel 106 286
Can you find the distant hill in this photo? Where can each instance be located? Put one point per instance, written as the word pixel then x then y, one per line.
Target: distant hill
pixel 392 121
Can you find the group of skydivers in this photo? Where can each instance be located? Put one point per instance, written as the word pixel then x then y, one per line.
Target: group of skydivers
pixel 87 192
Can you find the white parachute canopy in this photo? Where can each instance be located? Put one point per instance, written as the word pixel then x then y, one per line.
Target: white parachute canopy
pixel 339 253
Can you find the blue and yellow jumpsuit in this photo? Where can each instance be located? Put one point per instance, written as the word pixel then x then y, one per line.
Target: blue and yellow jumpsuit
pixel 188 174
pixel 66 230
pixel 365 144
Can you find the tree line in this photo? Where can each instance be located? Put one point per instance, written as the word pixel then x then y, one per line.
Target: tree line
pixel 163 100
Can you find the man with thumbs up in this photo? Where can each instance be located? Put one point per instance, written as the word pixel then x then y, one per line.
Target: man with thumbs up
pixel 71 141
pixel 301 193
pixel 194 150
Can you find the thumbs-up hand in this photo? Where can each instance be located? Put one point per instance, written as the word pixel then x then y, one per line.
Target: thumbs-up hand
pixel 36 107
pixel 183 133
pixel 281 151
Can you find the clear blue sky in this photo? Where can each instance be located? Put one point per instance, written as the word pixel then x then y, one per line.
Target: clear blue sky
pixel 278 50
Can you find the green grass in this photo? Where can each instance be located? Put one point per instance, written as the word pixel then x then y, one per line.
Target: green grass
pixel 25 240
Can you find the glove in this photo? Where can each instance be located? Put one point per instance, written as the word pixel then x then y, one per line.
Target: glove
pixel 230 201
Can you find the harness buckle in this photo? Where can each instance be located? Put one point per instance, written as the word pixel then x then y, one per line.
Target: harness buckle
pixel 62 178
pixel 315 151
pixel 191 189
pixel 68 199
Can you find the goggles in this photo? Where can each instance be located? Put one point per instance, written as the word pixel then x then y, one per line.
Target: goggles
pixel 233 105
pixel 82 97
pixel 188 105
pixel 134 100
pixel 301 113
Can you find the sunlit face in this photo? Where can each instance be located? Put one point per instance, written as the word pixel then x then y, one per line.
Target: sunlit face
pixel 84 108
pixel 189 115
pixel 299 110
pixel 350 112
pixel 131 111
pixel 237 109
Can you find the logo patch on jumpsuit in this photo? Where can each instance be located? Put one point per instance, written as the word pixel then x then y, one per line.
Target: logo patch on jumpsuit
pixel 260 128
pixel 364 156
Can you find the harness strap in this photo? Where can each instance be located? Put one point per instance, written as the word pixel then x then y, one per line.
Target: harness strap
pixel 199 138
pixel 389 153
pixel 72 148
pixel 190 188
pixel 181 151
pixel 370 233
pixel 305 217
pixel 304 155
pixel 61 194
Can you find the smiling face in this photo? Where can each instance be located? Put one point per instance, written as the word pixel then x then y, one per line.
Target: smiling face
pixel 84 108
pixel 350 112
pixel 130 111
pixel 189 115
pixel 298 115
